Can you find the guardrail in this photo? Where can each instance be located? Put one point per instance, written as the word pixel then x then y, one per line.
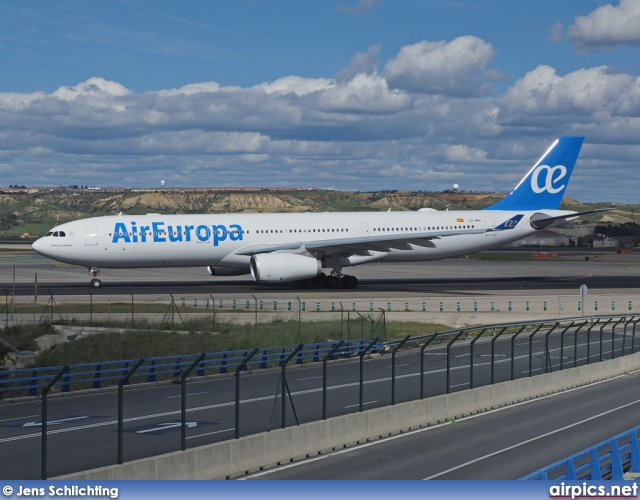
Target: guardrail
pixel 95 375
pixel 609 459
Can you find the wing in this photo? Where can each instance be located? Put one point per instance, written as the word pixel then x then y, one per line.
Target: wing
pixel 359 245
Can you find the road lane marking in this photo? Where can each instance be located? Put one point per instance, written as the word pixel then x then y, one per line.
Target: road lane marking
pixel 19 418
pixel 547 434
pixel 210 433
pixel 54 422
pixel 424 429
pixel 167 425
pixel 189 394
pixel 367 403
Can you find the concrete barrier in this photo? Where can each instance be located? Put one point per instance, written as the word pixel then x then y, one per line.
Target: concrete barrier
pixel 252 453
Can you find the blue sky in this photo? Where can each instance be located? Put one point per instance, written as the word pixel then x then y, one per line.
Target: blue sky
pixel 349 95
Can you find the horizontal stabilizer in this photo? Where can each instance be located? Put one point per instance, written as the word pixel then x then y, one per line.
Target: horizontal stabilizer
pixel 540 221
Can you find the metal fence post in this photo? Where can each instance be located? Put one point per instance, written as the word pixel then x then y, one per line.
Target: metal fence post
pixel 562 344
pixel 132 322
pixel 613 332
pixel 601 332
pixel 633 336
pixel 513 350
pixel 284 384
pixel 493 341
pixel 547 359
pixel 324 377
pixel 183 406
pixel 531 347
pixel 121 383
pixel 589 341
pixel 473 341
pixel 238 370
pixel 213 312
pixel 575 343
pixel 45 391
pixel 449 359
pixel 393 369
pixel 361 354
pixel 424 346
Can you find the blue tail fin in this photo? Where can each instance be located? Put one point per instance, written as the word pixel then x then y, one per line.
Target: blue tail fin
pixel 545 184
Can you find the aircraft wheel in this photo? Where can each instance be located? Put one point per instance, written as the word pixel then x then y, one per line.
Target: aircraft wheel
pixel 95 283
pixel 320 279
pixel 349 281
pixel 332 282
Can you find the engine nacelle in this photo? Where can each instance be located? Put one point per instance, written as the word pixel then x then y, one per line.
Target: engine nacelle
pixel 282 267
pixel 225 271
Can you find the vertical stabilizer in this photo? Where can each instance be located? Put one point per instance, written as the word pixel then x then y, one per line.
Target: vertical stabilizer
pixel 545 184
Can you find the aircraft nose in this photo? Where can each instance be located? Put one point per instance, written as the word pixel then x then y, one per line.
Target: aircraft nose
pixel 41 246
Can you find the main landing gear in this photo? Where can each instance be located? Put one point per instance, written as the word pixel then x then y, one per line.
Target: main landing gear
pixel 334 281
pixel 95 282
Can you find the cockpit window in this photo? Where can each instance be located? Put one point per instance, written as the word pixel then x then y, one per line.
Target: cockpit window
pixel 61 234
pixel 49 233
pixel 56 233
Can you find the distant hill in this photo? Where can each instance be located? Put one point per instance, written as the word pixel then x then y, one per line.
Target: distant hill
pixel 36 213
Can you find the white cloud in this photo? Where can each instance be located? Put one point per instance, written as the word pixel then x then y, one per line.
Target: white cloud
pixel 364 131
pixel 447 68
pixel 463 153
pixel 607 26
pixel 366 63
pixel 97 88
pixel 584 94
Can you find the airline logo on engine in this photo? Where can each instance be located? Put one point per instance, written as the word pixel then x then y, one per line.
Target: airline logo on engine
pixel 160 232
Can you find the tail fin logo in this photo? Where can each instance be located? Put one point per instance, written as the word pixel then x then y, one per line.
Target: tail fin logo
pixel 549 179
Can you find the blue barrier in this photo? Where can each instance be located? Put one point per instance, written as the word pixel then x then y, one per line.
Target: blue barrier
pixel 97 375
pixel 608 459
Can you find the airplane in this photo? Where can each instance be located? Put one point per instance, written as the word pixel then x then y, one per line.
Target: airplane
pixel 290 247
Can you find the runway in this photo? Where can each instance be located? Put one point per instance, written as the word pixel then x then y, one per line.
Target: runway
pixel 451 276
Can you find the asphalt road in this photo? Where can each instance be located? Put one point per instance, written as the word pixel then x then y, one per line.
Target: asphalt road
pixel 506 443
pixel 82 426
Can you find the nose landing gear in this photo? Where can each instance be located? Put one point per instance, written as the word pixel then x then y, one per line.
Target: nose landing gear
pixel 95 282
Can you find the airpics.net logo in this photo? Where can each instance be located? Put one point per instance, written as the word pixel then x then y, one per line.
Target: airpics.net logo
pixel 586 490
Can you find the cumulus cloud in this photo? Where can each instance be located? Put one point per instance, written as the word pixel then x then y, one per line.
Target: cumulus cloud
pixel 607 26
pixel 365 130
pixel 447 68
pixel 366 63
pixel 584 94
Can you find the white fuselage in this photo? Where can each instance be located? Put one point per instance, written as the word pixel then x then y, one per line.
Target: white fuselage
pixel 127 241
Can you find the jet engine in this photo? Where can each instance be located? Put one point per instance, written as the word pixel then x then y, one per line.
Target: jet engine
pixel 282 267
pixel 225 271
